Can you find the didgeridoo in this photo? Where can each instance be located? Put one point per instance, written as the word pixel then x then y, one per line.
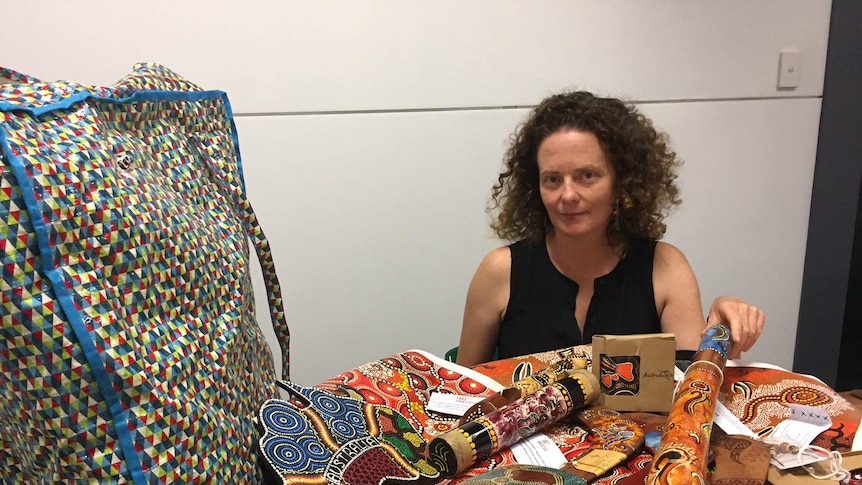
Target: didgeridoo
pixel 681 456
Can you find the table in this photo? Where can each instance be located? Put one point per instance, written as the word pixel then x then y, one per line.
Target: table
pixel 854 399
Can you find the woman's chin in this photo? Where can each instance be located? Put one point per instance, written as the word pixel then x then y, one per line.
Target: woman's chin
pixel 576 231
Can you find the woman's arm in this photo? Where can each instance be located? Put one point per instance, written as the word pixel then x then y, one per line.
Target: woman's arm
pixel 486 304
pixel 678 303
pixel 677 296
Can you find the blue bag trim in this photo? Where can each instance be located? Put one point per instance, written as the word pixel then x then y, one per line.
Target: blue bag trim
pixel 64 297
pixel 84 94
pixel 79 95
pixel 67 305
pixel 235 135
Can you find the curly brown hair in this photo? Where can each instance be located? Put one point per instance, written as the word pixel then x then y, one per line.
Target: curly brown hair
pixel 642 160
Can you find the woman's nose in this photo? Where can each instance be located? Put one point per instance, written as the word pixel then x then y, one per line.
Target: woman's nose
pixel 570 192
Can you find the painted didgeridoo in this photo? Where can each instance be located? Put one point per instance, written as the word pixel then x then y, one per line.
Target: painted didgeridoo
pixel 528 385
pixel 681 456
pixel 454 451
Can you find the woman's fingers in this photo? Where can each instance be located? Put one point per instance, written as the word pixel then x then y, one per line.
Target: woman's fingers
pixel 745 321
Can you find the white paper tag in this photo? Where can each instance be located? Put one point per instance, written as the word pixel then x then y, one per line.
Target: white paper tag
pixel 454 404
pixel 783 461
pixel 538 450
pixel 678 374
pixel 803 425
pixel 729 423
pixel 800 429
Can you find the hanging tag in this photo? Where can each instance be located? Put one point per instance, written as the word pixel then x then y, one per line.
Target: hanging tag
pixel 453 404
pixel 538 450
pixel 803 425
pixel 800 429
pixel 729 423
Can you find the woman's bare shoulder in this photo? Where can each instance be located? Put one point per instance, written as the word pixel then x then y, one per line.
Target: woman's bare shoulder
pixel 498 258
pixel 492 277
pixel 672 275
pixel 668 258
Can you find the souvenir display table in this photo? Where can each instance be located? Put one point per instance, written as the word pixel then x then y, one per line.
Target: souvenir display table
pixel 372 423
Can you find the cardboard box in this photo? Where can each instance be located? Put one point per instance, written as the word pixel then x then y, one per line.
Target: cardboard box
pixel 635 372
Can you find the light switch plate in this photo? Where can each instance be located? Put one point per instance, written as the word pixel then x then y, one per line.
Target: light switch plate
pixel 788 69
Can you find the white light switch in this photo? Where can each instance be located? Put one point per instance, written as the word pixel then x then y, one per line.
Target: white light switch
pixel 788 69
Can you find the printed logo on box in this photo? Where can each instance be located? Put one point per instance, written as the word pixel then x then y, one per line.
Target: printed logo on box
pixel 619 375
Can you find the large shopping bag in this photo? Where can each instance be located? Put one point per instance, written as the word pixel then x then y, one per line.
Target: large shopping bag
pixel 129 350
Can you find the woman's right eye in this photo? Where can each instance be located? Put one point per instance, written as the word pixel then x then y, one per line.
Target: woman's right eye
pixel 551 179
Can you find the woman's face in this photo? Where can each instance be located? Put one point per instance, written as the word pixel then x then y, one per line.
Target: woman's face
pixel 576 183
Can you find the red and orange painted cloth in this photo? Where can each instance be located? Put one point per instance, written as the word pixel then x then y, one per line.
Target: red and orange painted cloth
pixel 760 395
pixel 358 433
pixel 365 425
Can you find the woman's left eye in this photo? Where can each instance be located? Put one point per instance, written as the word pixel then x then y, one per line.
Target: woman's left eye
pixel 589 175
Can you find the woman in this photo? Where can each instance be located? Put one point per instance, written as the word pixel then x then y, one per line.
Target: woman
pixel 587 184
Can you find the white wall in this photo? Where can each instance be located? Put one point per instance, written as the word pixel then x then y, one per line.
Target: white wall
pixel 372 131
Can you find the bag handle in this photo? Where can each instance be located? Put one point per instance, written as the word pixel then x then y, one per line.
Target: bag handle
pixel 230 186
pixel 270 278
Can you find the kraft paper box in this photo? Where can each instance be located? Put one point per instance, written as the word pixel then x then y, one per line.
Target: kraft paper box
pixel 635 372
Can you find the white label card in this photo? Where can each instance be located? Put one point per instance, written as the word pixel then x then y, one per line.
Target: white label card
pixel 538 450
pixel 729 423
pixel 803 425
pixel 800 429
pixel 454 404
pixel 783 461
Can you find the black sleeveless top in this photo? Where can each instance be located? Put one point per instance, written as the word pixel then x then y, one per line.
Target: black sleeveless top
pixel 541 312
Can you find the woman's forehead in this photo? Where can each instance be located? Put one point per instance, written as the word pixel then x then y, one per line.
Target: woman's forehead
pixel 571 148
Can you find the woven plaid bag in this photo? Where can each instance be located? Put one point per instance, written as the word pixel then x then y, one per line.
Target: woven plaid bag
pixel 129 350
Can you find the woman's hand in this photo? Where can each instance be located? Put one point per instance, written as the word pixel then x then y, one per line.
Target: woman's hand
pixel 745 321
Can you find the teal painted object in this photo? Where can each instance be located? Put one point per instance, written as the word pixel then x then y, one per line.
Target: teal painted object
pixel 452 354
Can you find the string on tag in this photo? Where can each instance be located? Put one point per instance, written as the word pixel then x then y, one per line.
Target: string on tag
pixel 833 461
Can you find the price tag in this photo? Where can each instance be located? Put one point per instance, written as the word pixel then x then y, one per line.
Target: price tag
pixel 454 404
pixel 729 423
pixel 538 450
pixel 803 425
pixel 800 429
